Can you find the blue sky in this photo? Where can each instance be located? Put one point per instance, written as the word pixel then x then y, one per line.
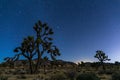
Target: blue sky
pixel 81 26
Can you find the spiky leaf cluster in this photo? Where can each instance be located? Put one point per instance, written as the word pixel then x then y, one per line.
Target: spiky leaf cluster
pixel 44 39
pixel 27 47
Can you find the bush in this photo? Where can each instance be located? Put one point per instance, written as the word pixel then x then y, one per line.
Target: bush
pixel 21 77
pixel 39 78
pixel 58 76
pixel 3 78
pixel 109 72
pixel 71 74
pixel 116 76
pixel 19 71
pixel 101 72
pixel 87 76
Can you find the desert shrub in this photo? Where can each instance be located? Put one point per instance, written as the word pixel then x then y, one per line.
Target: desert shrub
pixel 102 77
pixel 108 72
pixel 87 76
pixel 3 78
pixel 1 72
pixel 58 76
pixel 39 78
pixel 20 71
pixel 71 75
pixel 101 72
pixel 116 76
pixel 21 77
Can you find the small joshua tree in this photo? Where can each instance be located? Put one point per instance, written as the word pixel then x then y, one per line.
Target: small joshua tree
pixel 27 50
pixel 11 60
pixel 101 56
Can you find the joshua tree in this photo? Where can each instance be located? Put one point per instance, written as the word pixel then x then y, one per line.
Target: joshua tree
pixel 101 56
pixel 38 46
pixel 27 49
pixel 11 60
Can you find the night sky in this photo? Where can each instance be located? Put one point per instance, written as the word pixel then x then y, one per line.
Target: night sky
pixel 81 26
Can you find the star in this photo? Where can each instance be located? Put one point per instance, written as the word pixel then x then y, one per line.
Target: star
pixel 58 27
pixel 19 12
pixel 0 15
pixel 0 7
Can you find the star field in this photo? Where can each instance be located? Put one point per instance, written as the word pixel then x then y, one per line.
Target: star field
pixel 81 26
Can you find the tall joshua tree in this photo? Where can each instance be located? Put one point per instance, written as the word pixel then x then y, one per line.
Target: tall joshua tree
pixel 101 56
pixel 38 45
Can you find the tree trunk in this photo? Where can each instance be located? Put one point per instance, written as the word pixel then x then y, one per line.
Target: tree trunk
pixel 103 67
pixel 38 62
pixel 30 66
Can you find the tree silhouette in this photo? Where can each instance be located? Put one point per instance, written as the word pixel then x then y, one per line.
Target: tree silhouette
pixel 41 44
pixel 101 56
pixel 27 49
pixel 11 60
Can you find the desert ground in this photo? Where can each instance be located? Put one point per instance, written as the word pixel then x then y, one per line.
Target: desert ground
pixel 66 71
